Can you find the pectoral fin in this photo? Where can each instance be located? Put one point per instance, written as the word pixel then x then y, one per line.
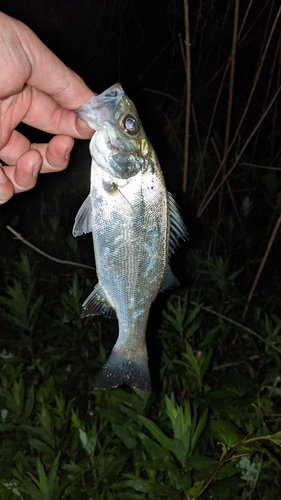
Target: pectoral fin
pixel 120 202
pixel 83 219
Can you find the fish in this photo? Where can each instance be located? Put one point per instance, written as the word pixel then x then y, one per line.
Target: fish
pixel 135 224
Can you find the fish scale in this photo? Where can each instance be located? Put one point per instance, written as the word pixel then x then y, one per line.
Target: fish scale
pixel 135 224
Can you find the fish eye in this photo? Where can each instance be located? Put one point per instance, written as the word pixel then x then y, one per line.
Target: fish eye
pixel 130 125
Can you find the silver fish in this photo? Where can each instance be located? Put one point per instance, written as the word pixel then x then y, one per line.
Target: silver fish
pixel 135 225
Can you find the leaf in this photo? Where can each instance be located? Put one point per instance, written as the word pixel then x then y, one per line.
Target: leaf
pixel 52 477
pixel 275 438
pixel 196 491
pixel 125 435
pixel 152 487
pixel 29 405
pixel 157 433
pixel 154 450
pixel 39 432
pixel 226 432
pixel 43 483
pixel 41 446
pixel 227 470
pixel 191 316
pixel 199 429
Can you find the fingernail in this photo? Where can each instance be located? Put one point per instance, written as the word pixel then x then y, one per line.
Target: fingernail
pixel 36 169
pixel 3 177
pixel 67 155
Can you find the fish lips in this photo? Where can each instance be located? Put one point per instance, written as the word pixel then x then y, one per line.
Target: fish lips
pixel 101 108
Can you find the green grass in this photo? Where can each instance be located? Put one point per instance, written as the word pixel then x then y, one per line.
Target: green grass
pixel 211 424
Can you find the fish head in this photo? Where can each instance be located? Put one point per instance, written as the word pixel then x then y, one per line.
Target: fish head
pixel 120 144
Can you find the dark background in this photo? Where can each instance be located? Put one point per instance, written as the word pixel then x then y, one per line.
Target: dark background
pixel 105 41
pixel 139 43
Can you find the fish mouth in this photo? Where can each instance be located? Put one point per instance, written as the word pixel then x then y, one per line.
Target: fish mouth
pixel 101 108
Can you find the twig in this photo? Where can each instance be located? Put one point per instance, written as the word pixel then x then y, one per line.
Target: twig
pixel 227 184
pixel 188 94
pixel 60 261
pixel 259 166
pixel 165 94
pixel 243 327
pixel 209 129
pixel 229 106
pixel 235 363
pixel 274 385
pixel 205 202
pixel 262 264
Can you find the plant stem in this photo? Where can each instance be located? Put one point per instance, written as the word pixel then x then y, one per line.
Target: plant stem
pixel 188 94
pixel 243 327
pixel 206 200
pixel 262 264
pixel 48 256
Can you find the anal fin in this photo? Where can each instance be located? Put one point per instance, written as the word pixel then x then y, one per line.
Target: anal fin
pixel 98 303
pixel 169 280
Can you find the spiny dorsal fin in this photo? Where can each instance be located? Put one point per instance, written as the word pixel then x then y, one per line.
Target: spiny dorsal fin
pixel 98 303
pixel 83 219
pixel 177 226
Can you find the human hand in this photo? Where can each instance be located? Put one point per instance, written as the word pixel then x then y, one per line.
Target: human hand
pixel 36 88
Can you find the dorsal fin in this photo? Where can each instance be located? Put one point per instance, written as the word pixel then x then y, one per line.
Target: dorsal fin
pixel 177 226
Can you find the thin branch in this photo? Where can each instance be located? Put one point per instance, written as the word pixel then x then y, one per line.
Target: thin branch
pixel 206 201
pixel 239 325
pixel 235 363
pixel 227 184
pixel 262 264
pixel 188 94
pixel 229 106
pixel 165 94
pixel 50 257
pixel 231 81
pixel 259 166
pixel 209 129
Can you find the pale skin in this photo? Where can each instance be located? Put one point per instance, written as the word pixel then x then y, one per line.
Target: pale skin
pixel 36 88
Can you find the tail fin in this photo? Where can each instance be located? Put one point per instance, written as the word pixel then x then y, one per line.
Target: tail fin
pixel 124 367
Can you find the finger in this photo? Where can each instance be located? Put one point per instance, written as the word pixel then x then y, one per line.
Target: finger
pixel 23 176
pixel 48 73
pixel 44 113
pixel 6 187
pixel 56 154
pixel 15 66
pixel 16 146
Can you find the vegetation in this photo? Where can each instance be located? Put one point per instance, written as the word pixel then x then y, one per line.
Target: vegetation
pixel 211 428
